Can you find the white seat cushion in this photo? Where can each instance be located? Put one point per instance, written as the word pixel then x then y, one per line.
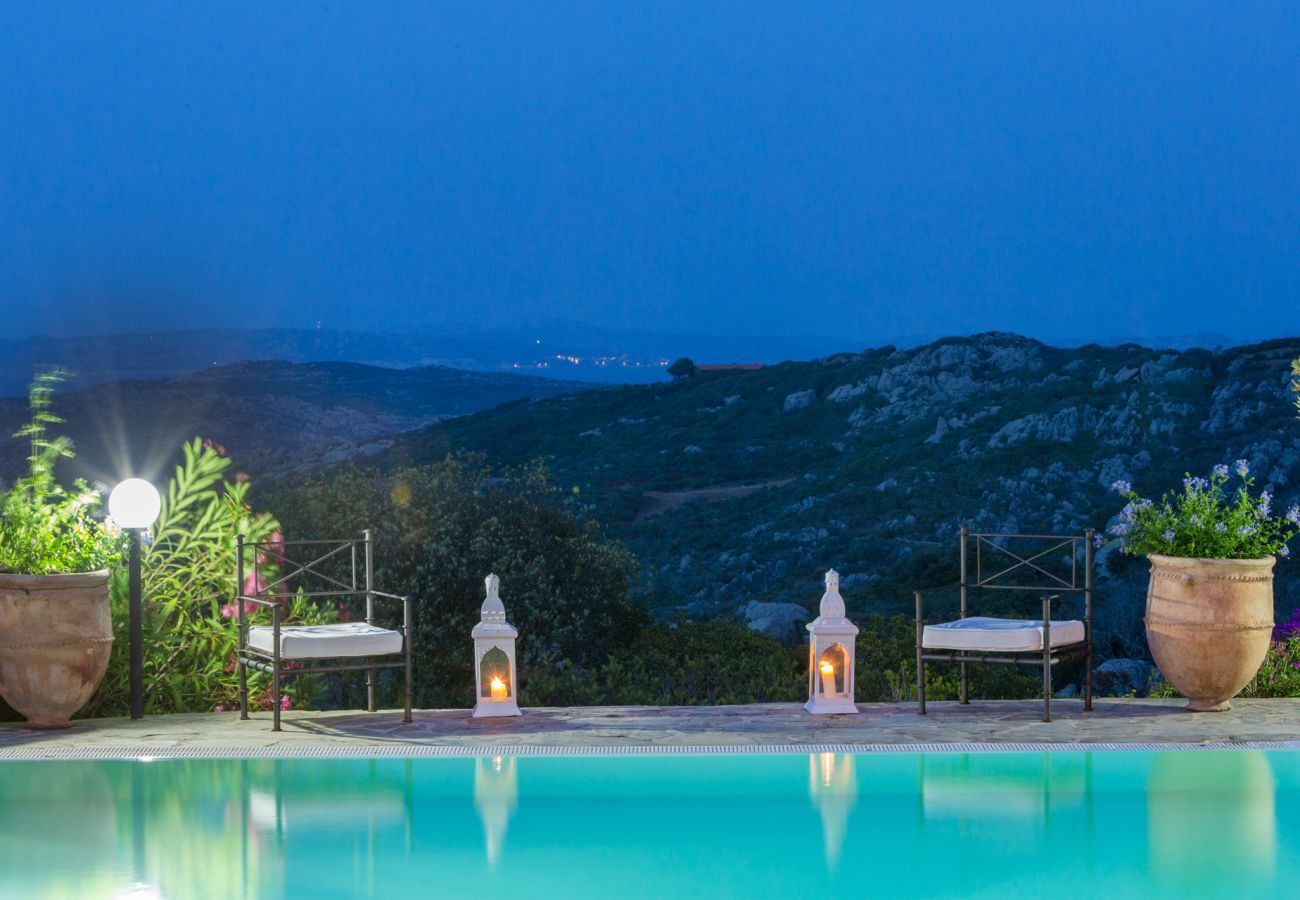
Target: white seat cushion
pixel 983 633
pixel 326 641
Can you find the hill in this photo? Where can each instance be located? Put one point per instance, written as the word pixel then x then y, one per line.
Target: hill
pixel 732 487
pixel 273 417
pixel 556 350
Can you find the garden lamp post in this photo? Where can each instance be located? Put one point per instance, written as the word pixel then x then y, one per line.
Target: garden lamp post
pixel 134 505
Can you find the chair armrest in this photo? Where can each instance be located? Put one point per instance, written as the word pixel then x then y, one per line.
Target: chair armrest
pixel 242 598
pixel 401 598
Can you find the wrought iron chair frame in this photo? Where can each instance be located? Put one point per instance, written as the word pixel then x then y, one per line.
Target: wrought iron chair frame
pixel 360 585
pixel 1078 584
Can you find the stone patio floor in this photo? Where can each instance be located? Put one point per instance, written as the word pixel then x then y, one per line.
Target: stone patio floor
pixel 659 729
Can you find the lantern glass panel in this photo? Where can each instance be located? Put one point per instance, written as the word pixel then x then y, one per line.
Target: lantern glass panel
pixel 837 657
pixel 494 672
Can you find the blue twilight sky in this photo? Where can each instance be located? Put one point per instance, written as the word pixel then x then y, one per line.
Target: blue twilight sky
pixel 862 169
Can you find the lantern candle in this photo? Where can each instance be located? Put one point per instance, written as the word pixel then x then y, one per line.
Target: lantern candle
pixel 828 679
pixel 498 689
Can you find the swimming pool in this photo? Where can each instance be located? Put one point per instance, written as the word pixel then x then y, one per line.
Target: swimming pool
pixel 1115 824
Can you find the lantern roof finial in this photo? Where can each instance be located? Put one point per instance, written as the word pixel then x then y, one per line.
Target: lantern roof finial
pixel 492 615
pixel 832 605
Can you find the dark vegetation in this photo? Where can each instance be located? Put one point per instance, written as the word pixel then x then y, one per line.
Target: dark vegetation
pixel 873 461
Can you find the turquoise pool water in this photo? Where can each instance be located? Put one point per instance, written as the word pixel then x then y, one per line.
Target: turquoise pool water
pixel 1112 824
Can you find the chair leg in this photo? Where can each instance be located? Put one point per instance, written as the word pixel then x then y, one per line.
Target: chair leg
pixel 275 696
pixel 243 689
pixel 920 684
pixel 1047 688
pixel 1047 659
pixel 276 613
pixel 407 717
pixel 1087 681
pixel 920 661
pixel 406 646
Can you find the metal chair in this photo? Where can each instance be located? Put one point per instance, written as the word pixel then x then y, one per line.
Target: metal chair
pixel 343 569
pixel 1048 563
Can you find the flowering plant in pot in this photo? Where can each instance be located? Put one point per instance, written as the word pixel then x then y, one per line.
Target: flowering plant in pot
pixel 1212 547
pixel 55 552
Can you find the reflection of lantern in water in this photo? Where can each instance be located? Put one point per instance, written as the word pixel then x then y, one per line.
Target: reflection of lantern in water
pixel 833 790
pixel 1207 807
pixel 496 793
pixel 494 657
pixel 831 647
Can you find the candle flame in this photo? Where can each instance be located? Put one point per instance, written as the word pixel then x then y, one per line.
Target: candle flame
pixel 828 669
pixel 497 682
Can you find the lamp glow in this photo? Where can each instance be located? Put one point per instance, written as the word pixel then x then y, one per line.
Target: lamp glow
pixel 134 503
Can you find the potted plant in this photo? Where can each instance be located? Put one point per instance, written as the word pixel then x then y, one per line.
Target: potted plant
pixel 1212 548
pixel 55 552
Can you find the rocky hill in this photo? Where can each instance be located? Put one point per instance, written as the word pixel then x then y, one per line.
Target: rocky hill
pixel 273 417
pixel 742 487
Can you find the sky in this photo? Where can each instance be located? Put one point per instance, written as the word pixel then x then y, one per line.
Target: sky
pixel 862 169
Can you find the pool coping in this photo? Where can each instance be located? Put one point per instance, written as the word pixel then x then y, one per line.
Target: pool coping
pixel 148 753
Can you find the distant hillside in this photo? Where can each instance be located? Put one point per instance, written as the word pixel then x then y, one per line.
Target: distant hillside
pixel 739 486
pixel 273 417
pixel 556 350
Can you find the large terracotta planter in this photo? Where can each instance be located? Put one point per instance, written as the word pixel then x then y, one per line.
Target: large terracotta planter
pixel 56 633
pixel 1209 622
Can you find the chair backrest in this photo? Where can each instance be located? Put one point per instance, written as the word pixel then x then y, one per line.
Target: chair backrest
pixel 277 570
pixel 1027 562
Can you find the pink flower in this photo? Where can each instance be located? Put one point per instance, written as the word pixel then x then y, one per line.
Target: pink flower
pixel 275 545
pixel 254 584
pixel 221 707
pixel 229 611
pixel 285 702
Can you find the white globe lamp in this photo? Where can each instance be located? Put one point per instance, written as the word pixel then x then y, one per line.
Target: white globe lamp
pixel 134 503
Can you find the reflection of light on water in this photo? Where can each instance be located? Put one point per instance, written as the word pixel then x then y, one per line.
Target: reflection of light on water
pixel 1235 790
pixel 833 790
pixel 496 793
pixel 1024 788
pixel 138 891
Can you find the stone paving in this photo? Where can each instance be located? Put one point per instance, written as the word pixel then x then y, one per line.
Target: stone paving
pixel 1122 721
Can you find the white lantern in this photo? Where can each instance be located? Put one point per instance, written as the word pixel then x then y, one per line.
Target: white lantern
pixel 831 648
pixel 494 657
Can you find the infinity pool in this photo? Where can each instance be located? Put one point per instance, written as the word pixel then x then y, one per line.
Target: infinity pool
pixel 1113 824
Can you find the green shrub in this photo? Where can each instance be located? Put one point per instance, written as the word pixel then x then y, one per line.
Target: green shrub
pixel 190 626
pixel 44 528
pixel 439 529
pixel 1279 676
pixel 703 663
pixel 1205 520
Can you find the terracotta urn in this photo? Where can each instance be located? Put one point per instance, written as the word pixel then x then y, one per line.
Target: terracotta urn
pixel 56 633
pixel 1209 622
